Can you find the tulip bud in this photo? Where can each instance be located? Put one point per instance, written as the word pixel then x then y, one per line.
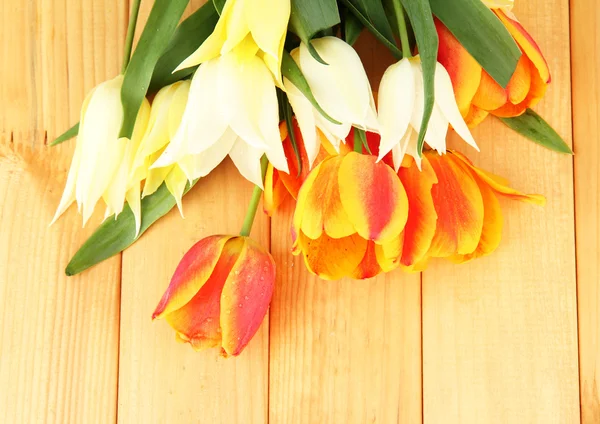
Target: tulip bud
pixel 219 294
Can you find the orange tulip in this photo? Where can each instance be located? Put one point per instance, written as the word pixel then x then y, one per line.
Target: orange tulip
pixel 219 294
pixel 349 217
pixel 465 198
pixel 279 185
pixel 477 94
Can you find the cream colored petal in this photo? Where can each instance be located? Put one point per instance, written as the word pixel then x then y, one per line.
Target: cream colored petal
pixel 252 101
pixel 68 196
pixel 304 112
pixel 208 112
pixel 247 160
pixel 176 182
pixel 155 178
pixel 134 202
pixel 200 165
pixel 102 151
pixel 445 100
pixel 396 99
pixel 341 87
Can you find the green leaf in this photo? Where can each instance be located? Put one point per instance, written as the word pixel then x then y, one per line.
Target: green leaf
pixel 482 34
pixel 115 235
pixel 382 34
pixel 535 128
pixel 161 24
pixel 421 20
pixel 218 5
pixel 67 135
pixel 190 34
pixel 352 27
pixel 290 70
pixel 288 117
pixel 308 17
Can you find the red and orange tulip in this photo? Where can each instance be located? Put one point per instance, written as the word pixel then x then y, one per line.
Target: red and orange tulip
pixel 477 94
pixel 349 216
pixel 279 185
pixel 219 293
pixel 469 217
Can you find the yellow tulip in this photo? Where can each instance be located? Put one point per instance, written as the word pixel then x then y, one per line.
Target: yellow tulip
pixel 102 161
pixel 165 119
pixel 248 27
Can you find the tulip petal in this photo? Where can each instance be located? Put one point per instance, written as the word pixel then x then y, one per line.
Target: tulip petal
pixel 246 296
pixel 330 83
pixel 490 95
pixel 422 217
pixel 491 233
pixel 305 119
pixel 369 266
pixel 268 37
pixel 526 43
pixel 459 207
pixel 444 99
pixel 463 69
pixel 396 101
pixel 192 273
pixel 275 191
pixel 520 83
pixel 247 160
pixel 198 320
pixel 321 208
pixel 373 197
pixel 68 196
pixel 475 116
pixel 176 181
pixel 499 184
pixel 536 92
pixel 329 258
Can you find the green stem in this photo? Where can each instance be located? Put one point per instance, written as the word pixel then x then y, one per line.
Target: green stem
pixel 135 11
pixel 358 144
pixel 399 11
pixel 254 200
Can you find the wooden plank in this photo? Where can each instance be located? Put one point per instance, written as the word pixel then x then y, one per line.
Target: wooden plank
pixel 58 336
pixel 585 18
pixel 344 351
pixel 161 380
pixel 164 381
pixel 500 334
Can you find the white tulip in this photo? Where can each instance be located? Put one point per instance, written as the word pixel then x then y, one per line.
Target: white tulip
pixel 401 103
pixel 341 88
pixel 232 110
pixel 102 161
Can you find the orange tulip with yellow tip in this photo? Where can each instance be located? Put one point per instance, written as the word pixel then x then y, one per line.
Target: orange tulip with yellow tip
pixel 349 216
pixel 469 217
pixel 280 185
pixel 477 94
pixel 219 294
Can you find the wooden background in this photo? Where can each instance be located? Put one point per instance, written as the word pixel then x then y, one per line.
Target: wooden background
pixel 512 338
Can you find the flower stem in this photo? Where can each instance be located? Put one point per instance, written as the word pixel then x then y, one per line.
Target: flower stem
pixel 135 11
pixel 358 144
pixel 254 200
pixel 399 11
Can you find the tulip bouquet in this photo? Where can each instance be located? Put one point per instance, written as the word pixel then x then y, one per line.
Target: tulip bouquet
pixel 277 86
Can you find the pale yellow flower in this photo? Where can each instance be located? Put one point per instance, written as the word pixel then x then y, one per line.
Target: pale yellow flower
pixel 102 161
pixel 259 27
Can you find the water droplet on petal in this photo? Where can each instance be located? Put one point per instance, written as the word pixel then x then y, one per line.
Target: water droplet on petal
pixel 262 278
pixel 228 311
pixel 246 297
pixel 240 305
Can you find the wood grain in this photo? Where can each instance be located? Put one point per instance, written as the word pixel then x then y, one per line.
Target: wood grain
pixel 58 335
pixel 344 351
pixel 500 333
pixel 163 381
pixel 585 18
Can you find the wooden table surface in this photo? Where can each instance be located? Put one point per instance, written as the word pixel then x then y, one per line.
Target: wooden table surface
pixel 511 338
